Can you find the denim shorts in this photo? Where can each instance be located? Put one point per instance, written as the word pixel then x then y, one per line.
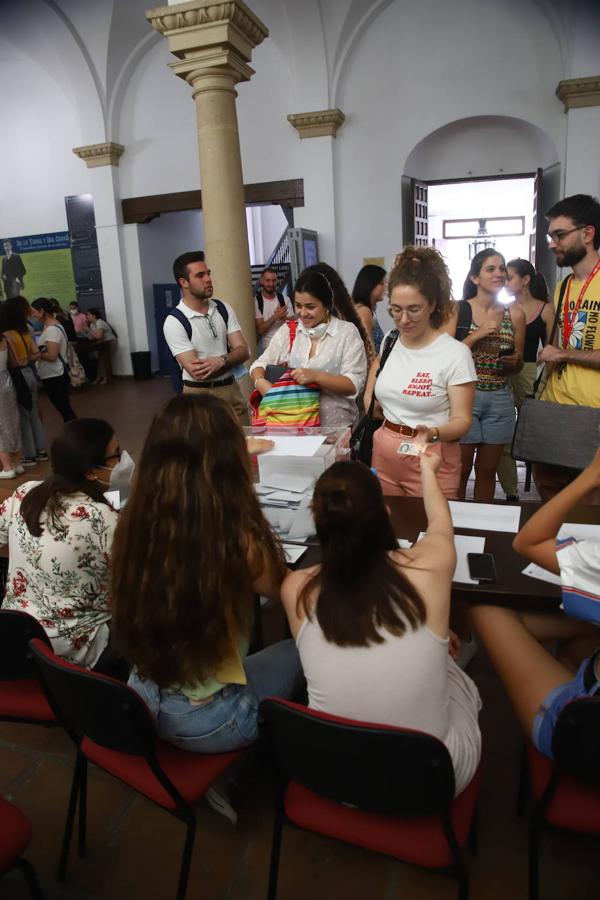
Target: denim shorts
pixel 552 706
pixel 229 719
pixel 493 418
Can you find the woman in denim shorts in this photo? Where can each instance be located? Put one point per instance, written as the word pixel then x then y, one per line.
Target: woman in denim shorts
pixel 538 684
pixel 496 337
pixel 191 551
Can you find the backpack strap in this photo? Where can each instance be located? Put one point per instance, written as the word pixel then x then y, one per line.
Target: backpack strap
pixel 260 301
pixel 465 317
pixel 280 299
pixel 561 297
pixel 183 320
pixel 293 328
pixel 222 310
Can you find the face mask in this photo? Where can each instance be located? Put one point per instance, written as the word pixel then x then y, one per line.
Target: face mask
pixel 317 332
pixel 121 475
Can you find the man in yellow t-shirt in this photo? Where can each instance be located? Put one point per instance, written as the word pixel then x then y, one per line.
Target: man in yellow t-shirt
pixel 574 238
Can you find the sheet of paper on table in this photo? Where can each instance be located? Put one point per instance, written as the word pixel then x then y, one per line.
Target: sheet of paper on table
pixel 535 571
pixel 464 543
pixel 485 516
pixel 114 498
pixel 295 445
pixel 298 484
pixel 579 531
pixel 293 552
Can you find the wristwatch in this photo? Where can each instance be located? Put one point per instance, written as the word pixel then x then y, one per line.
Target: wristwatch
pixel 435 436
pixel 225 358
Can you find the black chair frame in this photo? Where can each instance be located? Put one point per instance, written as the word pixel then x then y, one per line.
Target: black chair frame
pixel 576 749
pixel 28 873
pixel 80 700
pixel 406 773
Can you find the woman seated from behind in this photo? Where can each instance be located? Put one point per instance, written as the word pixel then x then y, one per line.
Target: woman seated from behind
pixel 59 534
pixel 192 549
pixel 371 622
pixel 538 684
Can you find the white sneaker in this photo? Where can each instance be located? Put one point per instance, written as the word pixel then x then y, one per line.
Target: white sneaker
pixel 217 798
pixel 8 473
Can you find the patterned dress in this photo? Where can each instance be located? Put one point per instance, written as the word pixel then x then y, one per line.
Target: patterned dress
pixel 10 433
pixel 62 577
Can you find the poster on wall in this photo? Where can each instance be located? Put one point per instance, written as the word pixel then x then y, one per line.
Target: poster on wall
pixel 37 265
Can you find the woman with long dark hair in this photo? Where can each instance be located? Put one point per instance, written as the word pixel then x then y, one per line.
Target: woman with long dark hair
pixel 191 550
pixel 327 350
pixel 59 534
pixel 495 334
pixel 368 290
pixel 371 621
pixel 13 323
pixel 530 291
pixel 52 365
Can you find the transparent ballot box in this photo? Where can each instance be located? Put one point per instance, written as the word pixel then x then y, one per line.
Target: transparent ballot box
pixel 300 451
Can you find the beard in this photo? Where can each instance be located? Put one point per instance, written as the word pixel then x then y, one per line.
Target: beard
pixel 570 257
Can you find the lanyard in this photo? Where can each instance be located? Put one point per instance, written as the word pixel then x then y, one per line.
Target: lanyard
pixel 569 320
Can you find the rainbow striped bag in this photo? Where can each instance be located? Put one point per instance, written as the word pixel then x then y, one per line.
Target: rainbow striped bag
pixel 287 403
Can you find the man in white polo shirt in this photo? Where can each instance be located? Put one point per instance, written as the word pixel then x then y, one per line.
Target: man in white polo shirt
pixel 211 343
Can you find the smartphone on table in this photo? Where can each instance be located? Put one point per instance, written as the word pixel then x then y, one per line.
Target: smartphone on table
pixel 482 567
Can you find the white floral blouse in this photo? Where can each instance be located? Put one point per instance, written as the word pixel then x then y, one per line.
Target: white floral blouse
pixel 62 577
pixel 340 351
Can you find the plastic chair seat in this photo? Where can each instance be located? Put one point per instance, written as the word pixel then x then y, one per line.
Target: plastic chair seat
pixel 419 840
pixel 191 773
pixel 575 806
pixel 15 834
pixel 24 699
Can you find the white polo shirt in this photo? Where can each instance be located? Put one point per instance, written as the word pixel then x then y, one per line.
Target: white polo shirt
pixel 270 307
pixel 203 340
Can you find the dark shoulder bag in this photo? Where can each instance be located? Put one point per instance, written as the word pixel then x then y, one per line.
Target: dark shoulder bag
pixel 361 442
pixel 557 434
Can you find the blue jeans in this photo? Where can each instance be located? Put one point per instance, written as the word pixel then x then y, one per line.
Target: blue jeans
pixel 229 720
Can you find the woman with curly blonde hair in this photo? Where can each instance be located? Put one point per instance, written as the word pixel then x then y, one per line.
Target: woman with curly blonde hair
pixel 427 384
pixel 191 550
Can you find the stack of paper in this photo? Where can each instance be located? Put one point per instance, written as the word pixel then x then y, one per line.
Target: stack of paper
pixel 464 543
pixel 485 516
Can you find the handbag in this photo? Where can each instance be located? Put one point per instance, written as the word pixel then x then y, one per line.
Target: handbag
pixel 557 434
pixel 361 440
pixel 287 403
pixel 21 387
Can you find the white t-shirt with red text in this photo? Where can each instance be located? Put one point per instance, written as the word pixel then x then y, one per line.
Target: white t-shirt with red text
pixel 412 387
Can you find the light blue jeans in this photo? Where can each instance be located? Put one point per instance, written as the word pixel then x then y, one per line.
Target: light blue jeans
pixel 229 720
pixel 33 438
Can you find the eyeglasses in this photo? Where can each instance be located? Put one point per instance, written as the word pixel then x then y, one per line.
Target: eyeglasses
pixel 412 314
pixel 213 330
pixel 555 237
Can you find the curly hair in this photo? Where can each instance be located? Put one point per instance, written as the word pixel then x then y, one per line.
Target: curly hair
pixel 424 269
pixel 189 545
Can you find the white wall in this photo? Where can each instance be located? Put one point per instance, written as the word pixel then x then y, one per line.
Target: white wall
pixel 160 243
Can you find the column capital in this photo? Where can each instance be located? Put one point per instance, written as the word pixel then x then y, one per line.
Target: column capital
pixel 93 155
pixel 210 38
pixel 317 124
pixel 579 92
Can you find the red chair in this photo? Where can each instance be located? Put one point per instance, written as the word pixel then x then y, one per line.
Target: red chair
pixel 22 698
pixel 15 835
pixel 390 790
pixel 566 790
pixel 113 728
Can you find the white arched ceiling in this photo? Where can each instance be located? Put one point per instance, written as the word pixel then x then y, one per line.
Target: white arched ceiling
pixel 513 146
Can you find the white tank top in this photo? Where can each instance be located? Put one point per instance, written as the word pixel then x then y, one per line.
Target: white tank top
pixel 409 681
pixel 402 681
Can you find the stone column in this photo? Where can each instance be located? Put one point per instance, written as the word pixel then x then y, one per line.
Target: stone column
pixel 214 43
pixel 318 211
pixel 124 305
pixel 581 99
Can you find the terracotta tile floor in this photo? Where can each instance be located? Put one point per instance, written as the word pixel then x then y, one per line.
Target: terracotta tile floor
pixel 134 848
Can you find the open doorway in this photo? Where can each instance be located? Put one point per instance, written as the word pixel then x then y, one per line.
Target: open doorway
pixel 467 216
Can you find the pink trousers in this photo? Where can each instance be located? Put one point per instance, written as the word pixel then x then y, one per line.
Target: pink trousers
pixel 400 475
